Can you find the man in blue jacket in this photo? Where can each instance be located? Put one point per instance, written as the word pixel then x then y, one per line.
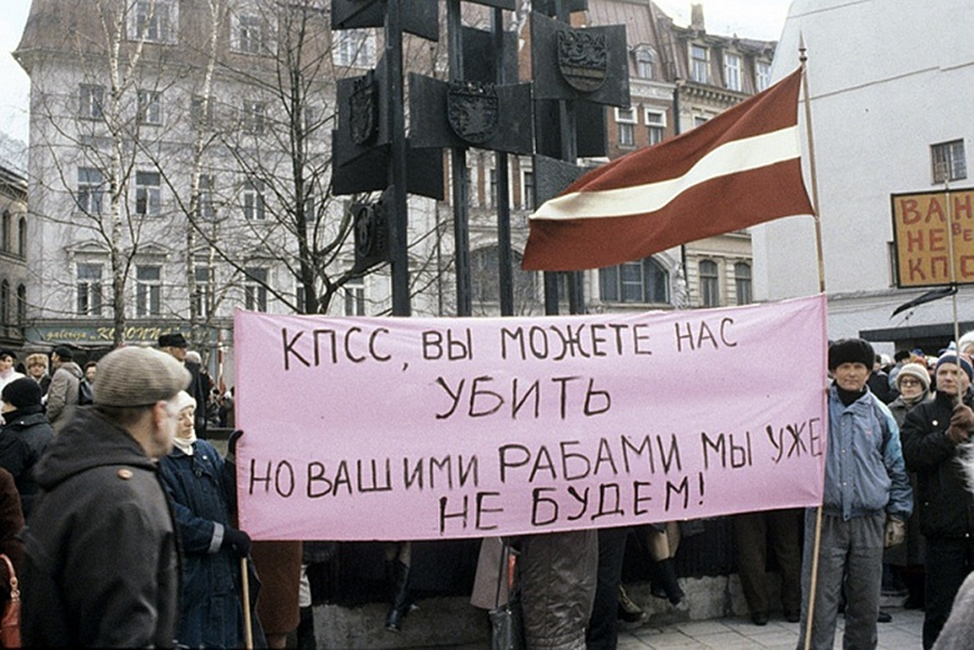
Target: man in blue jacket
pixel 866 499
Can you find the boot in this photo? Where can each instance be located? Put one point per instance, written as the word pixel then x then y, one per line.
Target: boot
pixel 400 595
pixel 670 584
pixel 306 630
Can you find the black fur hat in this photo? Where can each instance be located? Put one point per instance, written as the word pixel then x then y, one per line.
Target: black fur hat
pixel 851 351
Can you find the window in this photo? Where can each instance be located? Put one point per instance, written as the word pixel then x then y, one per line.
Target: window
pixel 148 187
pixel 21 305
pixel 255 289
pixel 527 193
pixel 709 284
pixel 90 190
pixel 699 61
pixel 22 237
pixel 655 126
pixel 643 281
pixel 254 117
pixel 205 208
pixel 5 303
pixel 91 100
pixel 645 63
pixel 700 119
pixel 355 297
pixel 6 226
pixel 253 200
pixel 949 161
pixel 201 111
pixel 150 107
pixel 89 289
pixel 355 47
pixel 148 290
pixel 204 290
pixel 762 75
pixel 626 121
pixel 249 35
pixel 153 20
pixel 485 272
pixel 732 71
pixel 742 280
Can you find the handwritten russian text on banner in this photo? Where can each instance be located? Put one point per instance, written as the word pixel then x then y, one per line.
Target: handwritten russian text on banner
pixel 379 428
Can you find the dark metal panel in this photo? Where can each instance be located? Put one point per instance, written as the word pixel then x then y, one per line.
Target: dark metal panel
pixel 429 126
pixel 346 149
pixel 547 7
pixel 590 129
pixel 549 73
pixel 480 57
pixel 500 4
pixel 422 19
pixel 370 172
pixel 552 176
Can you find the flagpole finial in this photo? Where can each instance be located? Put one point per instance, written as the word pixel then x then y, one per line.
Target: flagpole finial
pixel 802 56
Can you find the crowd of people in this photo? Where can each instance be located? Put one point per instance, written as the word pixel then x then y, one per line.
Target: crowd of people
pixel 120 517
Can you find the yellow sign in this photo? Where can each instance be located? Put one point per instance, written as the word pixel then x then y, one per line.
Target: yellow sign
pixel 923 244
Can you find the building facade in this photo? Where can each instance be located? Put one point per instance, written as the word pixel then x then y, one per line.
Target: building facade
pixel 180 165
pixel 14 247
pixel 890 116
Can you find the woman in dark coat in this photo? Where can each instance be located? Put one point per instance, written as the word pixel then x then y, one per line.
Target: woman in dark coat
pixel 24 436
pixel 11 524
pixel 211 613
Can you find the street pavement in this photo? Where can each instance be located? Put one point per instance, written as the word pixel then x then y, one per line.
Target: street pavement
pixel 904 632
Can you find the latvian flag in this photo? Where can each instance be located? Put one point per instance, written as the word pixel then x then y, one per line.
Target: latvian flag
pixel 741 168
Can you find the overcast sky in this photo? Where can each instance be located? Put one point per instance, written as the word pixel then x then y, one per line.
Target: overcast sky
pixel 760 19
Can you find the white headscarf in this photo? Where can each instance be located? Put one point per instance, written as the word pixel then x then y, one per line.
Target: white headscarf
pixel 181 401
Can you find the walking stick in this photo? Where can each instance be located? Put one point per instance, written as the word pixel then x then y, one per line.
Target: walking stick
pixel 245 589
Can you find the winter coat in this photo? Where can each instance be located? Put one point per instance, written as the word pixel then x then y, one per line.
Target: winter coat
pixel 958 633
pixel 913 550
pixel 102 558
pixel 946 503
pixel 11 524
pixel 558 578
pixel 62 394
pixel 864 469
pixel 210 610
pixel 23 440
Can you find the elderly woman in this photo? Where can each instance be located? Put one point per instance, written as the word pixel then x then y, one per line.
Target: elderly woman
pixel 211 611
pixel 906 560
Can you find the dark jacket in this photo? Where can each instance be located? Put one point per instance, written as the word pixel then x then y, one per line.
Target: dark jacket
pixel 210 610
pixel 11 525
pixel 200 391
pixel 102 559
pixel 947 507
pixel 23 440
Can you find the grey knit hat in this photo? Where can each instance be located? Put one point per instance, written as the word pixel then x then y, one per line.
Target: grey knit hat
pixel 916 371
pixel 135 376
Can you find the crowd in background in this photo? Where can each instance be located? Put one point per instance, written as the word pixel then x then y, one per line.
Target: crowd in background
pixel 124 438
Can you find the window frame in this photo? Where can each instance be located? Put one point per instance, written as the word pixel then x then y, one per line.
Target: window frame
pixel 89 299
pixel 743 283
pixel 148 291
pixel 733 78
pixel 653 278
pixel 762 75
pixel 626 120
pixel 699 67
pixel 253 200
pixel 954 165
pixel 355 48
pixel 709 283
pixel 254 116
pixel 354 297
pixel 89 194
pixel 655 127
pixel 91 101
pixel 255 288
pixel 154 21
pixel 150 107
pixel 250 32
pixel 148 196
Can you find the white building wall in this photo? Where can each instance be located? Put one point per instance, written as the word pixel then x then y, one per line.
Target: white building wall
pixel 887 79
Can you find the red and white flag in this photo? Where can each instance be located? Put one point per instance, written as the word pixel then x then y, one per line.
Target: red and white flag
pixel 740 168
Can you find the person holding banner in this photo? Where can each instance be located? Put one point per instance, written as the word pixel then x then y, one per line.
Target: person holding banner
pixel 866 499
pixel 211 613
pixel 934 435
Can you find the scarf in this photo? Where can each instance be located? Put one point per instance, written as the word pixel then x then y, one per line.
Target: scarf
pixel 185 445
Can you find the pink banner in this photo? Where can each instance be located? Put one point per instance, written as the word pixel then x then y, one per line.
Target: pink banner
pixel 399 429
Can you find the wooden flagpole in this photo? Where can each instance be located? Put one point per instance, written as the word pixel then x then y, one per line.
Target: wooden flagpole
pixel 245 597
pixel 803 58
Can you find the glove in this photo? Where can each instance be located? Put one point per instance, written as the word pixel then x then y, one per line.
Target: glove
pixel 236 541
pixel 232 443
pixel 895 531
pixel 961 423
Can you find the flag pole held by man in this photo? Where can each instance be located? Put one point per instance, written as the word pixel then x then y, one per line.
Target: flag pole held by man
pixel 741 168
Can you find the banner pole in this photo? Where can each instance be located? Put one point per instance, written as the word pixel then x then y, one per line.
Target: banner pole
pixel 245 597
pixel 803 58
pixel 952 253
